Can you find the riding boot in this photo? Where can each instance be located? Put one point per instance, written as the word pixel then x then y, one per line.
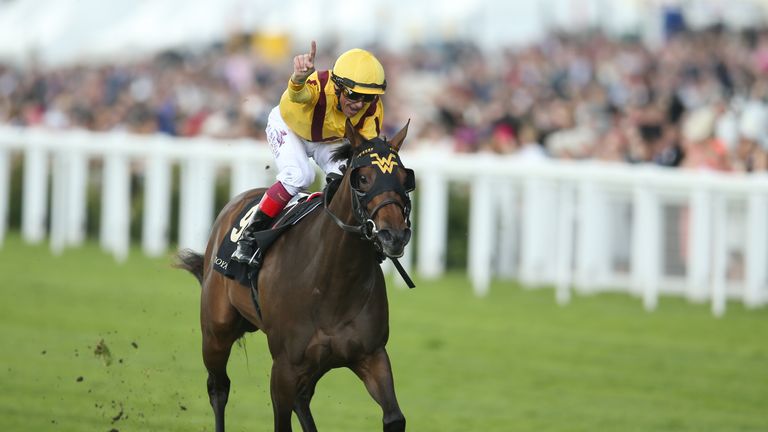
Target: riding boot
pixel 246 245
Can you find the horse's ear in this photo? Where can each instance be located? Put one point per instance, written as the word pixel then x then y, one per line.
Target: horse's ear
pixel 352 135
pixel 398 139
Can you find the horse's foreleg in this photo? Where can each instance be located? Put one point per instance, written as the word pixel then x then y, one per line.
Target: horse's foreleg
pixel 284 390
pixel 303 399
pixel 376 372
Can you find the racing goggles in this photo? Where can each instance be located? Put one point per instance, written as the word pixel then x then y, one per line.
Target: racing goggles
pixel 347 84
pixel 355 97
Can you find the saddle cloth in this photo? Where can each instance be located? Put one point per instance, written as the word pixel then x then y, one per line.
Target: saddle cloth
pixel 300 206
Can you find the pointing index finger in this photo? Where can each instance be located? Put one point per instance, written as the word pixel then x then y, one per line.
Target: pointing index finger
pixel 312 52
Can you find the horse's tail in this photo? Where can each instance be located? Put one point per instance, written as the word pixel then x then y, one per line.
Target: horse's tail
pixel 190 261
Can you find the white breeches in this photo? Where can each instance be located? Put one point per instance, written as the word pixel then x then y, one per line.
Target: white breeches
pixel 292 154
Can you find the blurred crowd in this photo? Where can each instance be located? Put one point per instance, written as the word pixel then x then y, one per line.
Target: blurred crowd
pixel 697 101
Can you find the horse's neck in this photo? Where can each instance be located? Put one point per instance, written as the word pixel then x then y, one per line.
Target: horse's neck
pixel 352 258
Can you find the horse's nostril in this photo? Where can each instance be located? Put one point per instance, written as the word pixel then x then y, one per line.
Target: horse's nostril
pixel 394 236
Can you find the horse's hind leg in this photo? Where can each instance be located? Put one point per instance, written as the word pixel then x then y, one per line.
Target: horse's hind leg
pixel 221 326
pixel 215 355
pixel 376 372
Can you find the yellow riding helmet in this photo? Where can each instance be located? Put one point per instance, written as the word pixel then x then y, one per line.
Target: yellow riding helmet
pixel 359 71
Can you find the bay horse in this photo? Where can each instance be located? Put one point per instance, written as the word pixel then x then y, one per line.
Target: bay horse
pixel 321 291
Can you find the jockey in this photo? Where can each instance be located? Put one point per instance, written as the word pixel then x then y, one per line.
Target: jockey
pixel 310 122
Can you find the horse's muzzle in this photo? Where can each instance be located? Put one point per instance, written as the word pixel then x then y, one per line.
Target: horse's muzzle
pixel 393 241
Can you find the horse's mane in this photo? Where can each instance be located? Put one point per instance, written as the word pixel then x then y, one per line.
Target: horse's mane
pixel 342 153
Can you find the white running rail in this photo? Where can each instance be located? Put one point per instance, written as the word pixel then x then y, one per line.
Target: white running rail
pixel 582 226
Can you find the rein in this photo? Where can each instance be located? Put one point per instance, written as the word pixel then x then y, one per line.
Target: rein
pixel 368 231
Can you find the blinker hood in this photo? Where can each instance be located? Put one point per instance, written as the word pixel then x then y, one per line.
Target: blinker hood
pixel 385 159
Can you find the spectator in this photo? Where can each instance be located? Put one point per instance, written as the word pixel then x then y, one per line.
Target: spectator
pixel 584 96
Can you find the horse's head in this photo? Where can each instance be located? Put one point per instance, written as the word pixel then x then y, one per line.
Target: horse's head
pixel 380 185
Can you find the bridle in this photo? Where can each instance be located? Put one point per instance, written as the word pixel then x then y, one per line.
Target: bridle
pixel 381 154
pixel 366 226
pixel 386 181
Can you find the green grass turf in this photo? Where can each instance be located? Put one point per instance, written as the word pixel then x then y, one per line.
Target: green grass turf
pixel 513 361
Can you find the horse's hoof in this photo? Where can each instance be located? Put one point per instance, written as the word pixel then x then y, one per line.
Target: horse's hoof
pixel 395 426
